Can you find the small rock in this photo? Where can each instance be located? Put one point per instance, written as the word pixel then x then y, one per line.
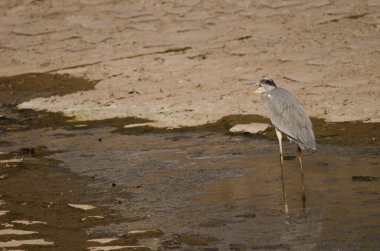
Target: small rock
pixel 138 125
pixel 103 240
pixel 11 160
pixel 96 217
pixel 27 222
pixel 80 125
pixel 15 232
pixel 250 128
pixel 81 206
pixel 145 233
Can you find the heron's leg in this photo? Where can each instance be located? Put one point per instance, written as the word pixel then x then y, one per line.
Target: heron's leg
pixel 299 156
pixel 279 136
pixel 283 189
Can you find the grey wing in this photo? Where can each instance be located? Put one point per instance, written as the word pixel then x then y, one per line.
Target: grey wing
pixel 288 115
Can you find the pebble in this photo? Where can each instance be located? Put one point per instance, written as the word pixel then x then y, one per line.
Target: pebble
pixel 81 206
pixel 250 128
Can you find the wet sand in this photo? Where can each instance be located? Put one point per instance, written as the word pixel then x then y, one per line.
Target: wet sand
pixel 194 189
pixel 184 63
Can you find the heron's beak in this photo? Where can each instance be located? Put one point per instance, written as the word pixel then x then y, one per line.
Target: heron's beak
pixel 254 89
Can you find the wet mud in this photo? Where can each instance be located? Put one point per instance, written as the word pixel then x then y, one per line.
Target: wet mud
pixel 184 189
pixel 17 89
pixel 37 190
pixel 21 88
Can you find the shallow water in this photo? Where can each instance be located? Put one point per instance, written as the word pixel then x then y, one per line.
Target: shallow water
pixel 185 189
pixel 211 190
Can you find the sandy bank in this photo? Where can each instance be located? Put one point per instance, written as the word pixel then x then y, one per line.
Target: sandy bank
pixel 184 63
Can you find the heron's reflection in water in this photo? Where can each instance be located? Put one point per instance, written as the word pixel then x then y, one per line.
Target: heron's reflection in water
pixel 284 194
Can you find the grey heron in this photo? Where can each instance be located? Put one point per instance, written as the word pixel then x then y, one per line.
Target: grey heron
pixel 289 117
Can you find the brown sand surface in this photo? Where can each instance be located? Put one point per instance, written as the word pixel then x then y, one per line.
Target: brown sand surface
pixel 184 63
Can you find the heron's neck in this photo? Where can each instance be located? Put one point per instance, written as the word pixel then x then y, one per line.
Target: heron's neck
pixel 269 88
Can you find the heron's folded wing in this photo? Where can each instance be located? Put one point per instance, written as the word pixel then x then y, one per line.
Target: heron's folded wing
pixel 289 116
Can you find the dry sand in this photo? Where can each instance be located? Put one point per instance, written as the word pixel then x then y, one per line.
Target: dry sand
pixel 184 63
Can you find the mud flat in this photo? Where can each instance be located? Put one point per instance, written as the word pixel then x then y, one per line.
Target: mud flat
pixel 102 185
pixel 187 190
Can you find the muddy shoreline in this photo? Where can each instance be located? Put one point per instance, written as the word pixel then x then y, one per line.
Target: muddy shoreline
pixel 184 64
pixel 13 91
pixel 192 188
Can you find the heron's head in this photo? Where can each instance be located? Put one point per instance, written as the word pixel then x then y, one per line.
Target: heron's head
pixel 264 85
